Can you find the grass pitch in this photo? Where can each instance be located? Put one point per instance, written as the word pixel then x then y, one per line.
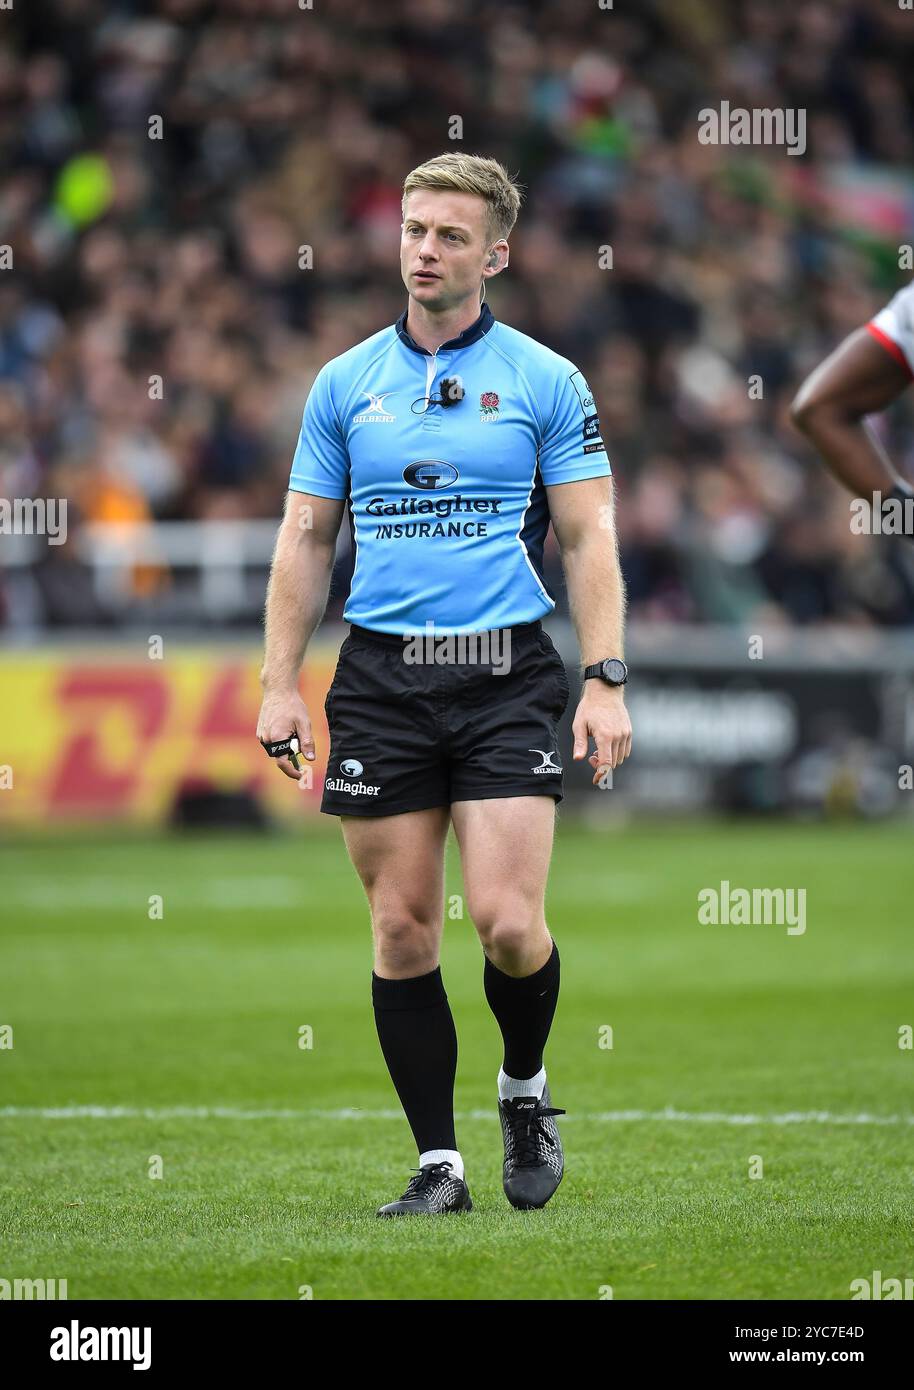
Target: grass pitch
pixel 730 1045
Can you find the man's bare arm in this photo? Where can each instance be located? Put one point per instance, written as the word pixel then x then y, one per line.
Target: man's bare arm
pixel 296 600
pixel 584 521
pixel 858 379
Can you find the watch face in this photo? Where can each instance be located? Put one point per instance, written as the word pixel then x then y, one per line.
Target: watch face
pixel 615 671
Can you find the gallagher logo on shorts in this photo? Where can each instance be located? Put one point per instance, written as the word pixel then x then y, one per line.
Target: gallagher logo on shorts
pixel 430 474
pixel 351 769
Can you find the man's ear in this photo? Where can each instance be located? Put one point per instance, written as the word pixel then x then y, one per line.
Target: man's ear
pixel 498 258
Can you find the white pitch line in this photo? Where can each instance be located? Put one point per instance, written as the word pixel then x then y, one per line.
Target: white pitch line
pixel 229 1112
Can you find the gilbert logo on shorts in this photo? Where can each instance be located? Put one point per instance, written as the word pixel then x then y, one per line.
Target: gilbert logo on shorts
pixel 547 765
pixel 352 770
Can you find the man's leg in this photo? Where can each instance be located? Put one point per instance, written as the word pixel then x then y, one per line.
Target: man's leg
pixel 505 847
pixel 400 860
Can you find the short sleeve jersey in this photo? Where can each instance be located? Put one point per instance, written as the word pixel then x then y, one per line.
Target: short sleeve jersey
pixel 447 503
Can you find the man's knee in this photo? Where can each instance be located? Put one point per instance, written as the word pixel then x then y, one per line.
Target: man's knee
pixel 510 929
pixel 406 941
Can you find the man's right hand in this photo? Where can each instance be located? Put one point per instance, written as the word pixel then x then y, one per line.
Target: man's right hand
pixel 282 715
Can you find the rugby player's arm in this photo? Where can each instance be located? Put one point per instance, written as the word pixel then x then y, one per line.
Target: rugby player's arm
pixel 858 379
pixel 296 600
pixel 583 519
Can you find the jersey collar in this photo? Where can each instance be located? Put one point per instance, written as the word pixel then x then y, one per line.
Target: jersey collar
pixel 469 335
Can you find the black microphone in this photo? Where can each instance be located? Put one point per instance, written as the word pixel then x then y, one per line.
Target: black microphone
pixel 452 393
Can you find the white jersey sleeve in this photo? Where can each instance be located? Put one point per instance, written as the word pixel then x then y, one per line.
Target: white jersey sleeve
pixel 893 327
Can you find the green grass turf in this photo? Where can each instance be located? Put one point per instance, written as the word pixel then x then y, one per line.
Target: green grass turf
pixel 261 935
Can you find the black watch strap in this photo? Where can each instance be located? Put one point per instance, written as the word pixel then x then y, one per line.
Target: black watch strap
pixel 612 670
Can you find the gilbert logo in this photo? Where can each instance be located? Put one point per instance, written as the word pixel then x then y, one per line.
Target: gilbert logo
pixel 75 1343
pixel 547 765
pixel 376 412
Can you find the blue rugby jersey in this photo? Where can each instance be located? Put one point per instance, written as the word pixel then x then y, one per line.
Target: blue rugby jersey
pixel 448 507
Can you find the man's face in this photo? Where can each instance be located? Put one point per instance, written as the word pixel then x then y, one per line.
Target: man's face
pixel 445 247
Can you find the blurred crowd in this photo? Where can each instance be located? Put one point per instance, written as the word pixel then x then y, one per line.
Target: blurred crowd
pixel 164 163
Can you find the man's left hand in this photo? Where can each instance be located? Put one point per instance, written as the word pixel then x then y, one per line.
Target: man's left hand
pixel 602 716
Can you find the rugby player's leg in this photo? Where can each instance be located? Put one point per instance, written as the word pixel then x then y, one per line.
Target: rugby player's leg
pixel 505 847
pixel 400 861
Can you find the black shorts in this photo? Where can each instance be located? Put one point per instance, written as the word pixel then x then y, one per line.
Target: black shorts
pixel 407 734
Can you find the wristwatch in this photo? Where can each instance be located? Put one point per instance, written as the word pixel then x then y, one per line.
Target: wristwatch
pixel 613 671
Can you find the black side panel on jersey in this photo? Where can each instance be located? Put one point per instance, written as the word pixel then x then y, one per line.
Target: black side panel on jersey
pixel 536 524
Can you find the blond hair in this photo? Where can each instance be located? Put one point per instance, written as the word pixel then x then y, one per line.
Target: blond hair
pixel 471 173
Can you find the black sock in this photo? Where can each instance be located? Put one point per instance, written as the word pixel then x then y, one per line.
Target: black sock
pixel 524 1009
pixel 419 1042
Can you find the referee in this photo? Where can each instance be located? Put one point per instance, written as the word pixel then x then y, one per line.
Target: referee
pixel 455 440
